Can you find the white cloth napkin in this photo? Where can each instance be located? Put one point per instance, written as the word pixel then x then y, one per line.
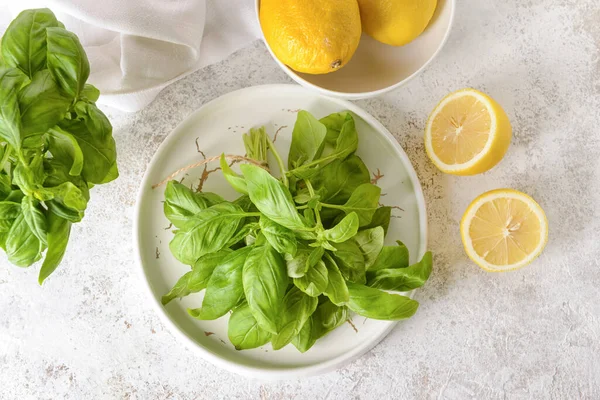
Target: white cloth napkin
pixel 138 47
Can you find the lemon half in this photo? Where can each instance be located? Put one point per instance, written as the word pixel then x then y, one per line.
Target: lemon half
pixel 503 230
pixel 467 133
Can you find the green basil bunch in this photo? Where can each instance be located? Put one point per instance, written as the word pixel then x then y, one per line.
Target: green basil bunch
pixel 55 144
pixel 293 256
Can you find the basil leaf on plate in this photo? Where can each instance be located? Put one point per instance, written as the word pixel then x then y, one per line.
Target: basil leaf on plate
pixel 297 308
pixel 344 230
pixel 337 180
pixel 236 181
pixel 182 203
pixel 350 261
pixel 391 257
pixel 281 238
pixel 197 279
pixel 243 330
pixel 265 282
pixel 381 217
pixel 370 242
pixel 307 139
pixel 364 202
pixel 337 291
pixel 377 304
pixel 271 197
pixel 326 318
pixel 314 282
pixel 403 279
pixel 225 289
pixel 208 231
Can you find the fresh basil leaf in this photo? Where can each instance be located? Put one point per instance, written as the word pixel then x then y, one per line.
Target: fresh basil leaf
pixel 337 291
pixel 391 257
pixel 90 93
pixel 23 248
pixel 403 279
pixel 314 282
pixel 350 261
pixel 59 231
pixel 66 194
pixel 5 185
pixel 346 144
pixel 334 124
pixel 370 242
pixel 245 203
pixel 93 132
pixel 308 334
pixel 10 115
pixel 281 238
pixel 63 146
pixel 67 60
pixel 381 217
pixel 9 211
pixel 69 201
pixel 239 239
pixel 364 202
pixel 265 282
pixel 236 181
pixel 271 197
pixel 326 318
pixel 197 279
pixel 307 139
pixel 377 304
pixel 182 203
pixel 243 330
pixel 225 289
pixel 331 317
pixel 30 177
pixel 347 141
pixel 24 42
pixel 297 308
pixel 347 228
pixel 35 218
pixel 207 232
pixel 309 216
pixel 42 105
pixel 337 180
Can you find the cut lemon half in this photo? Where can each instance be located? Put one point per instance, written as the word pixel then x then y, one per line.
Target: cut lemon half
pixel 467 133
pixel 504 230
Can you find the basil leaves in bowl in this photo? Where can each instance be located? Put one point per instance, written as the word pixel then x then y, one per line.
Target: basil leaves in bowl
pixel 292 250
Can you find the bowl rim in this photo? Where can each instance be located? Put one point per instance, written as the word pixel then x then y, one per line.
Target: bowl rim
pixel 357 95
pixel 269 373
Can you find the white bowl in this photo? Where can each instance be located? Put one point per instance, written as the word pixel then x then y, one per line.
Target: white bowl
pixel 377 68
pixel 219 125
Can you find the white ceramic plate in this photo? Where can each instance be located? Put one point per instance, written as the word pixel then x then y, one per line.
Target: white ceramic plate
pixel 219 126
pixel 377 68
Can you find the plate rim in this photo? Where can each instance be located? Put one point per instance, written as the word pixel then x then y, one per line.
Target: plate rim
pixel 270 373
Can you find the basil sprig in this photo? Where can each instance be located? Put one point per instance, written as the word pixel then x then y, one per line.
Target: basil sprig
pixel 55 144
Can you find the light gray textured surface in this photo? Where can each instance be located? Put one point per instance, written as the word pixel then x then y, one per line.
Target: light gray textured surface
pixel 535 333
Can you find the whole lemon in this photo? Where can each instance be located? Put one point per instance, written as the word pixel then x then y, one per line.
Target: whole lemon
pixel 311 36
pixel 396 22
